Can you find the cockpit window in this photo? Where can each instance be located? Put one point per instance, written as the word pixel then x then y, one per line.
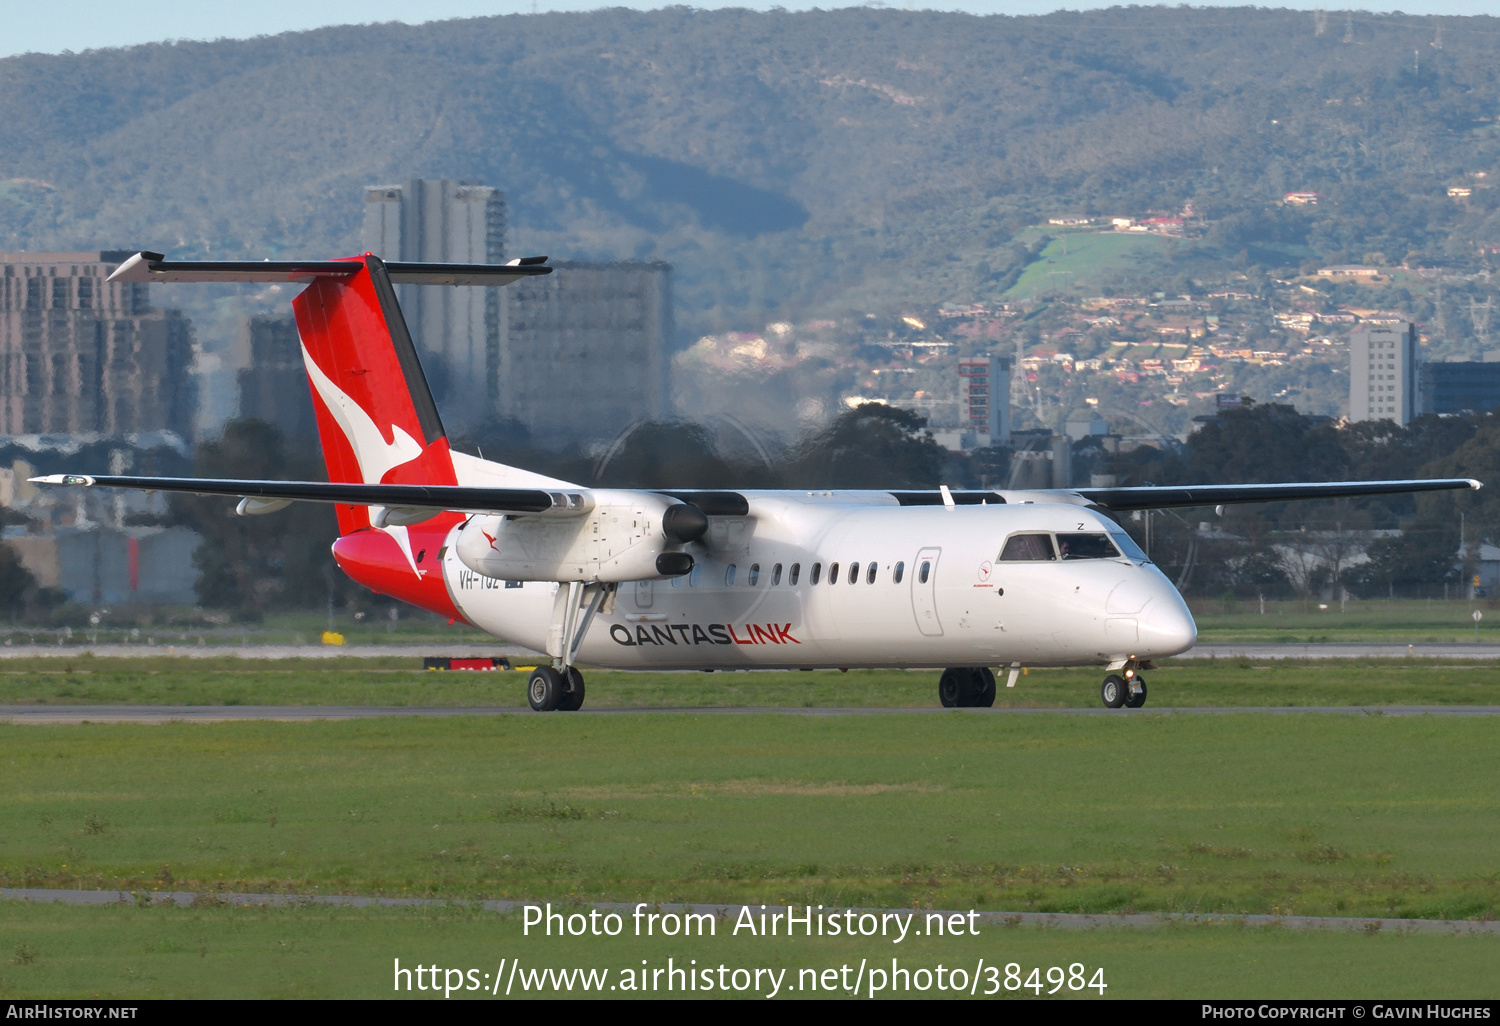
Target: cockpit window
pixel 1028 548
pixel 1087 546
pixel 1129 547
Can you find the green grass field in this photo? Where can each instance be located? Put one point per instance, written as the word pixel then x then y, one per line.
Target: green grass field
pixel 1078 258
pixel 1403 621
pixel 128 952
pixel 1184 683
pixel 1313 814
pixel 182 626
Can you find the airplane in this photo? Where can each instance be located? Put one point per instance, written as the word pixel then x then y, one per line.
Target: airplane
pixel 684 578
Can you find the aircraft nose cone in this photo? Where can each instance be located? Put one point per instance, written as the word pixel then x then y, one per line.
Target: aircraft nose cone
pixel 1166 626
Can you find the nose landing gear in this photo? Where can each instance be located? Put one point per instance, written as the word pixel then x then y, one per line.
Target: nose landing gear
pixel 966 687
pixel 1128 690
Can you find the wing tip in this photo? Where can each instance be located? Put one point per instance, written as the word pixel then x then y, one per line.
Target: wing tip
pixel 1475 484
pixel 61 479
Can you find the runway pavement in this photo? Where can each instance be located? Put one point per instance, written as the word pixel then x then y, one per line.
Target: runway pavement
pixel 157 714
pixel 1055 920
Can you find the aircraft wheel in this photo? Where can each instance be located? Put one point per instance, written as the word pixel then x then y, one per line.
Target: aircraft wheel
pixel 1113 692
pixel 572 697
pixel 545 689
pixel 985 697
pixel 956 687
pixel 1135 699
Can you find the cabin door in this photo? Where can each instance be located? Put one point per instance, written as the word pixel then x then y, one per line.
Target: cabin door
pixel 924 592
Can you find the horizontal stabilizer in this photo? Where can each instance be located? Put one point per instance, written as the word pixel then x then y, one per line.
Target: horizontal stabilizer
pixel 1180 496
pixel 153 267
pixel 457 498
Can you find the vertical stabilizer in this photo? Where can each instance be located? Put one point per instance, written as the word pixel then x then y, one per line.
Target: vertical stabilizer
pixel 376 416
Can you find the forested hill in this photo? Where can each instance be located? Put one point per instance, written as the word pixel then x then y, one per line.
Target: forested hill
pixel 787 163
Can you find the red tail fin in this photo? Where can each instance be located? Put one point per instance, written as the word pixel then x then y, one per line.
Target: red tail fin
pixel 376 417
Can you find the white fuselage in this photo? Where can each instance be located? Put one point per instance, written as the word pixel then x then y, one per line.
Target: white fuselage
pixel 740 607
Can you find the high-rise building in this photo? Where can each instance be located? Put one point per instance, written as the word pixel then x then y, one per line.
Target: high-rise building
pixel 583 350
pixel 273 388
pixel 1383 373
pixel 82 356
pixel 456 330
pixel 984 397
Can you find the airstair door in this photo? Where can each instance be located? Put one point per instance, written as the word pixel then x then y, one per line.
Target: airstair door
pixel 924 592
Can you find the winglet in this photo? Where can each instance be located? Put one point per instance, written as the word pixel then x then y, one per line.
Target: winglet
pixel 1476 485
pixel 947 495
pixel 62 479
pixel 136 267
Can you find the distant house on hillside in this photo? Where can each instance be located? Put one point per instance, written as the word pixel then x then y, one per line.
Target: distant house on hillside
pixel 1160 225
pixel 1070 222
pixel 1301 199
pixel 1348 271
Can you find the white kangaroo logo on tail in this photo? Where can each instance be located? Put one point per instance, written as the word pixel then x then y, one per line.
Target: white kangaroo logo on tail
pixel 376 456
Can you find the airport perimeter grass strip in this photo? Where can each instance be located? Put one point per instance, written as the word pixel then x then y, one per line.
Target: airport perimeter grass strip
pixel 159 714
pixel 732 912
pixel 1239 682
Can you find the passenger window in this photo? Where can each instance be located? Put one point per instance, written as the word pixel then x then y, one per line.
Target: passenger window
pixel 1028 548
pixel 923 572
pixel 833 573
pixel 870 574
pixel 896 574
pixel 775 575
pixel 729 576
pixel 754 575
pixel 817 571
pixel 793 574
pixel 693 577
pixel 677 582
pixel 853 573
pixel 1087 546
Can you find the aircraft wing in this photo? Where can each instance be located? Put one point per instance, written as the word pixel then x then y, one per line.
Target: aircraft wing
pixel 274 494
pixel 1179 496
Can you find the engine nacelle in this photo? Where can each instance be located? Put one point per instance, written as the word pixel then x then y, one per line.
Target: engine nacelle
pixel 627 536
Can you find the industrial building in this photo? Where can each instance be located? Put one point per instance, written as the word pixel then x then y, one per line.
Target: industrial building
pixel 100 565
pixel 88 542
pixel 80 356
pixel 1383 373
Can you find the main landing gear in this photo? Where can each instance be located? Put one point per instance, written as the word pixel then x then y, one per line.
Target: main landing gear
pixel 550 689
pixel 966 687
pixel 1128 691
pixel 560 686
